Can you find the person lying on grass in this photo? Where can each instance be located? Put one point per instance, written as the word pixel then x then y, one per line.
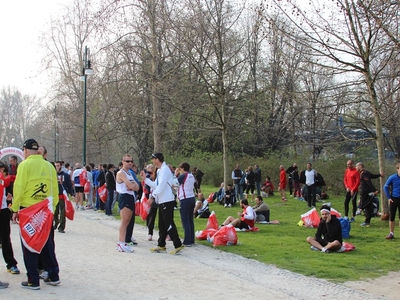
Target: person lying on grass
pixel 246 218
pixel 329 233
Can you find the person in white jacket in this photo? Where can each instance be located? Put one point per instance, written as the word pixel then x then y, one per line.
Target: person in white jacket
pixel 164 197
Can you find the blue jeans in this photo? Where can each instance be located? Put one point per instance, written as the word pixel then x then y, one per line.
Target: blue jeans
pixel 110 199
pixel 258 187
pixel 187 207
pixel 238 191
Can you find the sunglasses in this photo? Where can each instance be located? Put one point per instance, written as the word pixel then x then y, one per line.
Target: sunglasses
pixel 128 161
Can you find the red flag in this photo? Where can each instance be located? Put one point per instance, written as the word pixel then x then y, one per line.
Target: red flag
pixel 35 224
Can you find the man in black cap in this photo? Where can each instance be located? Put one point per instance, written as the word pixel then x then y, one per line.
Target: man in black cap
pixel 164 197
pixel 36 180
pixel 329 233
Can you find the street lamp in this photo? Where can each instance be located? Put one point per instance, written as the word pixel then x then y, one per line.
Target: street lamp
pixel 87 70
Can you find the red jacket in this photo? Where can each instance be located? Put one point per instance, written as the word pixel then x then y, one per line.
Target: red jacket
pixel 351 179
pixel 282 179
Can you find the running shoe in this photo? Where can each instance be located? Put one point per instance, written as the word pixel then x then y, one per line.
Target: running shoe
pixel 158 249
pixel 177 250
pixel 3 285
pixel 51 282
pixel 31 286
pixel 124 248
pixel 13 270
pixel 390 236
pixel 365 224
pixel 314 248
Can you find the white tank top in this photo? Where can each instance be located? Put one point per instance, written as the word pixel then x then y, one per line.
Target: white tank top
pixel 121 187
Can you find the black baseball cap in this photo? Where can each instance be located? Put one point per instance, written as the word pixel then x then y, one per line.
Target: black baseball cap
pixel 31 144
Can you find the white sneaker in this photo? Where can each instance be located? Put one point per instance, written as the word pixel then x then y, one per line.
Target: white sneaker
pixel 230 205
pixel 44 275
pixel 124 248
pixel 226 205
pixel 150 237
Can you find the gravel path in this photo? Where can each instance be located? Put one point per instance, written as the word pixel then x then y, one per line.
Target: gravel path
pixel 91 268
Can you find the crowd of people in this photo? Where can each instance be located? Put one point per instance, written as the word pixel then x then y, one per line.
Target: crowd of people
pixel 163 186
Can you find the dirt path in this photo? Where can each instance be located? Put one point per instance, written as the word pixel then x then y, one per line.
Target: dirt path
pixel 91 268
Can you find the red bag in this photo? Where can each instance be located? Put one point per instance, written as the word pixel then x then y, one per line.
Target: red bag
pixel 334 212
pixel 144 207
pixel 35 224
pixel 137 208
pixel 205 234
pixel 69 207
pixel 348 247
pixel 310 218
pixel 212 221
pixel 83 178
pixel 210 198
pixel 103 193
pixel 226 236
pixel 86 187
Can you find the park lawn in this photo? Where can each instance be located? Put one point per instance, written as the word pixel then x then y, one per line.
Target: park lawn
pixel 284 245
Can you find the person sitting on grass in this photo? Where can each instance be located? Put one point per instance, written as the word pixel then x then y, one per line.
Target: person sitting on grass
pixel 246 218
pixel 201 209
pixel 262 210
pixel 268 187
pixel 229 196
pixel 329 233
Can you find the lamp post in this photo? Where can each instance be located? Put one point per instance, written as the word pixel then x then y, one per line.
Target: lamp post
pixel 87 70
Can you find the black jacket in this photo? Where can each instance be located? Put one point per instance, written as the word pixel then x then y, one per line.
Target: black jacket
pixel 330 231
pixel 110 180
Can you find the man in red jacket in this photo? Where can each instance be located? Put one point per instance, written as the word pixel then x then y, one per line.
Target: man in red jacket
pixel 282 182
pixel 351 184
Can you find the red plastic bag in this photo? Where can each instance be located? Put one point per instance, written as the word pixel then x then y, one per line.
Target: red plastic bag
pixel 205 234
pixel 69 207
pixel 86 187
pixel 35 224
pixel 137 208
pixel 212 221
pixel 210 198
pixel 226 236
pixel 310 218
pixel 83 178
pixel 334 212
pixel 145 207
pixel 103 193
pixel 348 247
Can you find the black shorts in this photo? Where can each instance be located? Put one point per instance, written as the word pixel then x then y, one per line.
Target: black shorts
pixel 126 200
pixel 322 242
pixel 244 225
pixel 79 189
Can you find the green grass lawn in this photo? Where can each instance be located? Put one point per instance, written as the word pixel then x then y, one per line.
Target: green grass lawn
pixel 285 245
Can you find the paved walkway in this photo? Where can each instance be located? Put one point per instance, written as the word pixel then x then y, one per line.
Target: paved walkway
pixel 91 268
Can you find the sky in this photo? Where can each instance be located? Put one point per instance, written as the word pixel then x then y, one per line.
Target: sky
pixel 21 24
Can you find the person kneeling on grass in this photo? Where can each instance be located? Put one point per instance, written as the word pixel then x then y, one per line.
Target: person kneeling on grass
pixel 246 218
pixel 329 233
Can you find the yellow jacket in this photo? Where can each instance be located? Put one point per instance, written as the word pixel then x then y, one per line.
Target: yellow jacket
pixel 35 181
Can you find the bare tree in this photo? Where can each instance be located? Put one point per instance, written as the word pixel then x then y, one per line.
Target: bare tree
pixel 345 36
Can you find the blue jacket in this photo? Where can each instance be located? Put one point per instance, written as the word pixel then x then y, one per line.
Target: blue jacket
pixel 394 181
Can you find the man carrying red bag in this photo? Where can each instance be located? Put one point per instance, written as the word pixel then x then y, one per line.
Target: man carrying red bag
pixel 36 184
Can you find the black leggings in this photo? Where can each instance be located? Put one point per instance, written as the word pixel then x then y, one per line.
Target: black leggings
pixel 347 202
pixel 394 206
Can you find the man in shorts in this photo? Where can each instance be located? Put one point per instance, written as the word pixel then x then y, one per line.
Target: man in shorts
pixel 329 233
pixel 246 218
